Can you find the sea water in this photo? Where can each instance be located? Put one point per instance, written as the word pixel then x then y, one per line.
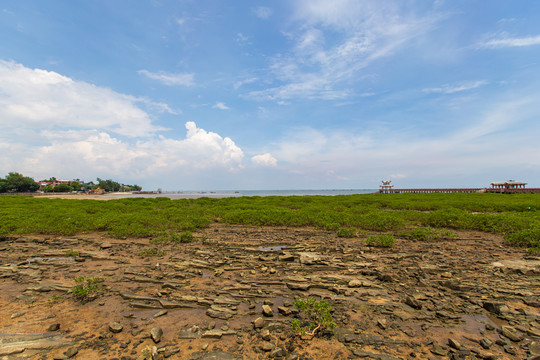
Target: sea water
pixel 239 193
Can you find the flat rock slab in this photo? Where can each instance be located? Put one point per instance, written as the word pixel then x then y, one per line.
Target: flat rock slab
pixel 219 355
pixel 11 344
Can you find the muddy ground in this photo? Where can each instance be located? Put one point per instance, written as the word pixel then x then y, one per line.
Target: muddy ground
pixel 467 298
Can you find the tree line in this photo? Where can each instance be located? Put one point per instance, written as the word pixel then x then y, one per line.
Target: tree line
pixel 15 182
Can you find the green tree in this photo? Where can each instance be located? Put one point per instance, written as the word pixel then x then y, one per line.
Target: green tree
pixel 62 188
pixel 109 185
pixel 19 183
pixel 75 185
pixel 3 186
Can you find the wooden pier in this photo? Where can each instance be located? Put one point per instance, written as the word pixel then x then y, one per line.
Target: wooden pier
pixel 415 191
pixel 506 187
pixel 461 190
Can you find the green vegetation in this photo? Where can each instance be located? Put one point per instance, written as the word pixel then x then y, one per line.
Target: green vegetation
pixel 346 232
pixel 87 288
pixel 15 182
pixel 152 252
pixel 382 240
pixel 411 216
pixel 72 253
pixel 427 233
pixel 317 317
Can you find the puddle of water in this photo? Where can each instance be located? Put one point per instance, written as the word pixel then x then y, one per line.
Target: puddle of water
pixel 271 248
pixel 35 259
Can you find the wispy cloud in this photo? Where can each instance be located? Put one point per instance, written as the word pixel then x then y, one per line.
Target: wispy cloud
pixel 220 105
pixel 263 12
pixel 240 83
pixel 456 87
pixel 505 42
pixel 334 42
pixel 185 79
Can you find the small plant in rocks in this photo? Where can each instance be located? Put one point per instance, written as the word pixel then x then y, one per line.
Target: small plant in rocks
pixel 87 288
pixel 315 317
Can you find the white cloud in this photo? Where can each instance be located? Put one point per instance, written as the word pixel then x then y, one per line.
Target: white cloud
pixel 221 106
pixel 498 139
pixel 457 87
pixel 266 160
pixel 505 41
pixel 91 153
pixel 263 12
pixel 36 98
pixel 240 83
pixel 334 42
pixel 185 79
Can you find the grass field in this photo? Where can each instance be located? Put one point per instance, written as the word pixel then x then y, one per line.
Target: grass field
pixel 413 216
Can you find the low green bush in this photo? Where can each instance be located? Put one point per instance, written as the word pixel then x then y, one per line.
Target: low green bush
pixel 87 288
pixel 427 234
pixel 525 238
pixel 316 317
pixel 346 232
pixel 382 240
pixel 152 252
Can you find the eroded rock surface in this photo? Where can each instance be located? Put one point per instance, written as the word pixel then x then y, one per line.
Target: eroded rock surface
pixel 231 297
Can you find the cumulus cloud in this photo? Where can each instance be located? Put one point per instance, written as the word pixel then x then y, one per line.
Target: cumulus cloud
pixel 46 99
pixel 52 125
pixel 97 153
pixel 221 106
pixel 170 78
pixel 266 160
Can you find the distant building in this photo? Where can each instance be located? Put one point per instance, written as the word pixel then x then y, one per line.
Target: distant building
pixel 508 185
pixel 386 186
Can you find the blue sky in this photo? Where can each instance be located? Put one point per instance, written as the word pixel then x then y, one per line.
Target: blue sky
pixel 306 94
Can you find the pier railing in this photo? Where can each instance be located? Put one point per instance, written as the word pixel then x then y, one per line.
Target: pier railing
pixel 461 190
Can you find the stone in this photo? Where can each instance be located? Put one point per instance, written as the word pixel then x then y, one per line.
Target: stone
pixel 267 311
pixel 115 327
pixel 220 312
pixel 16 315
pixel 277 353
pixel 438 350
pixel 156 333
pixel 267 346
pixel 258 323
pixel 453 343
pixel 415 304
pixel 71 352
pixel 53 327
pixel 217 355
pixel 298 286
pixel 307 258
pixel 496 307
pixel 511 333
pixel 284 310
pixel 265 334
pixel 160 313
pixel 286 257
pixel 486 343
pixel 534 348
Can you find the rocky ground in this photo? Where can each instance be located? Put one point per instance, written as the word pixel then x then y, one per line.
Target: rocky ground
pixel 470 298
